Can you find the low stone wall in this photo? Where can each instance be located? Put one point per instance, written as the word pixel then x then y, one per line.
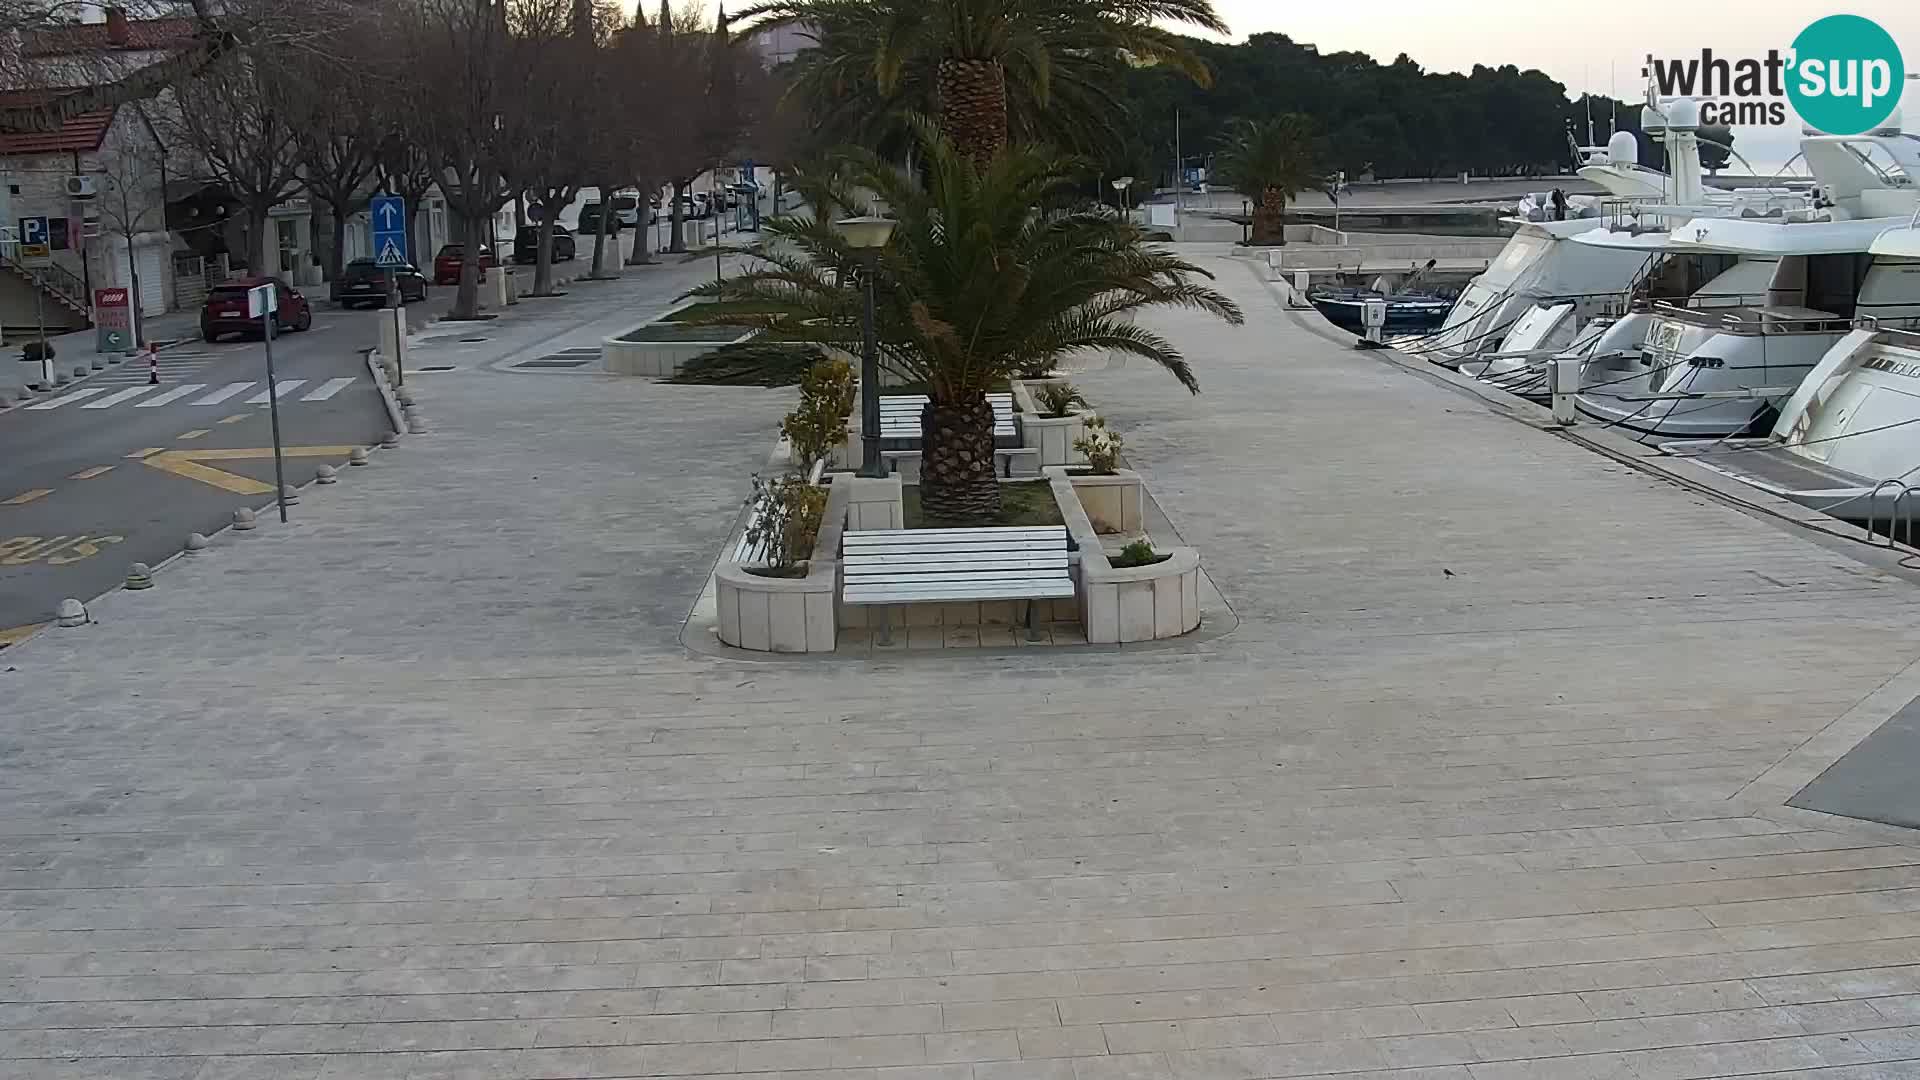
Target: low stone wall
pixel 655 359
pixel 788 615
pixel 1142 603
pixel 1112 503
pixel 1052 436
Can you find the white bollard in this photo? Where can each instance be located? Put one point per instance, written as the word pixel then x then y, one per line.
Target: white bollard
pixel 72 613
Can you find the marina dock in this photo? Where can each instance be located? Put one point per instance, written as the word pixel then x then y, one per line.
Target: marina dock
pixel 1490 781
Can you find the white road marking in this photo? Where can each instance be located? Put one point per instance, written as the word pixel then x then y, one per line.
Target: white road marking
pixel 75 396
pixel 280 390
pixel 172 395
pixel 327 389
pixel 111 400
pixel 223 393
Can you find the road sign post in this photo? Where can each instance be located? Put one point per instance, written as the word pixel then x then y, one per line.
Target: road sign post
pixel 263 303
pixel 389 216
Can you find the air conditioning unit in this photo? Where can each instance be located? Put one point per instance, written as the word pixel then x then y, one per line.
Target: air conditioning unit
pixel 82 187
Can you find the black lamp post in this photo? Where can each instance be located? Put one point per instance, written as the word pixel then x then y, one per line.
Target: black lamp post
pixel 868 235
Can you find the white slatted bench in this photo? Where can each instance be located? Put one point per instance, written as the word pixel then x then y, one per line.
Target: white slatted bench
pixel 1008 461
pixel 912 566
pixel 746 553
pixel 900 419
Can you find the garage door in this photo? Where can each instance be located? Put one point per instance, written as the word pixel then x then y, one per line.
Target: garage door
pixel 153 278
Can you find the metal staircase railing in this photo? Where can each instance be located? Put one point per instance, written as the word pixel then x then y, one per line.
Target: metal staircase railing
pixel 58 282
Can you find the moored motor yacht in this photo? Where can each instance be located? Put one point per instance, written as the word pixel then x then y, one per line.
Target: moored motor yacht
pixel 1705 371
pixel 1847 442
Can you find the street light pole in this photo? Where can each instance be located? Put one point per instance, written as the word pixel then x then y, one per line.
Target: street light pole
pixel 870 463
pixel 867 236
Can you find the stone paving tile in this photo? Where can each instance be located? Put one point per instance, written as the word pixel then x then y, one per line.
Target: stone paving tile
pixel 426 786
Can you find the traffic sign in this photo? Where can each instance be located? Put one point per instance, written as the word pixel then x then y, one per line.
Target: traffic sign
pixel 36 241
pixel 262 300
pixel 389 214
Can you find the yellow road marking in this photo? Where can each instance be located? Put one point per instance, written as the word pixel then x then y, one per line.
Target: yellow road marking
pixel 235 418
pixel 54 551
pixel 195 433
pixel 88 474
pixel 17 634
pixel 148 452
pixel 27 497
pixel 187 463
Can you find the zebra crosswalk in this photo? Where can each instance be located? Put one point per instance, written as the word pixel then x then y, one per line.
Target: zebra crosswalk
pixel 146 396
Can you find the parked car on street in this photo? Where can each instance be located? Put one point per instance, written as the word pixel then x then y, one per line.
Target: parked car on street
pixel 447 264
pixel 363 283
pixel 225 311
pixel 626 214
pixel 526 244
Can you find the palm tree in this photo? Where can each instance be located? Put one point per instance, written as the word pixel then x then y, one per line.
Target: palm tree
pixel 1268 161
pixel 1038 70
pixel 989 275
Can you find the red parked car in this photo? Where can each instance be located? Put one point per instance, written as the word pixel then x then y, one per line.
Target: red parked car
pixel 225 311
pixel 446 265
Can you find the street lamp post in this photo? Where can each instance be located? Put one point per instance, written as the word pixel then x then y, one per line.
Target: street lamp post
pixel 867 236
pixel 1120 187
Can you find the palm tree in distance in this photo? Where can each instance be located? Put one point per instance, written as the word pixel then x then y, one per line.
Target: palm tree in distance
pixel 992 272
pixel 1268 161
pixel 1035 70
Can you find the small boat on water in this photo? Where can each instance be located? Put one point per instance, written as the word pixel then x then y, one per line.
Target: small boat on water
pixel 1407 313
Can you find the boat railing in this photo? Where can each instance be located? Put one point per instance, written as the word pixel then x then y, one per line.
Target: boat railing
pixel 1899 511
pixel 1750 322
pixel 1903 331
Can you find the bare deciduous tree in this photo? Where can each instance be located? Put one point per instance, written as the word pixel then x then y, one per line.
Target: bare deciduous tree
pixel 238 129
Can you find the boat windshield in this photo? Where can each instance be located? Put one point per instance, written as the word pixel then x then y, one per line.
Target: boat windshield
pixel 1523 250
pixel 1893 158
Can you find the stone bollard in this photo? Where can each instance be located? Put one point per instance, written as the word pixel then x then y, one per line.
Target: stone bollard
pixel 325 474
pixel 404 397
pixel 389 441
pixel 358 456
pixel 99 362
pixel 72 613
pixel 243 520
pixel 415 426
pixel 116 358
pixel 61 378
pixel 139 576
pixel 288 495
pixel 196 544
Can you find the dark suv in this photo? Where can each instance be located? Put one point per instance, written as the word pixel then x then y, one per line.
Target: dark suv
pixel 526 244
pixel 365 282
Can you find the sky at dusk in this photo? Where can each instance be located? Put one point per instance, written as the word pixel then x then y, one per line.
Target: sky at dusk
pixel 1598 46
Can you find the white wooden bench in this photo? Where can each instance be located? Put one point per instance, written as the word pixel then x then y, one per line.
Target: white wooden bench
pixel 912 566
pixel 900 418
pixel 747 553
pixel 1008 461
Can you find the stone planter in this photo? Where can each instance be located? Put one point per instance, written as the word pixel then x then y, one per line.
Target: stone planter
pixel 791 615
pixel 1111 502
pixel 1052 436
pixel 1142 603
pixel 663 357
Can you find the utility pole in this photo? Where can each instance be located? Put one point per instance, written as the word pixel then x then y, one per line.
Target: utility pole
pixel 1179 167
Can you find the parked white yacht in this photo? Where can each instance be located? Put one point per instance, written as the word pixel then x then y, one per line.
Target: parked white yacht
pixel 1552 280
pixel 1537 265
pixel 1847 441
pixel 1697 369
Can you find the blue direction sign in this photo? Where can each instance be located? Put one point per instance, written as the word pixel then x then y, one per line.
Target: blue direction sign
pixel 389 213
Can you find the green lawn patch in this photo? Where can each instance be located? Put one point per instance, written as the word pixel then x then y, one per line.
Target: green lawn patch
pixel 1025 503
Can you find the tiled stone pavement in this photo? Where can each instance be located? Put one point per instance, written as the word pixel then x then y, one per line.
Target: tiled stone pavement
pixel 425 786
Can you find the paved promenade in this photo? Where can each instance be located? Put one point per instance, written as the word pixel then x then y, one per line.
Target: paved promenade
pixel 1488 784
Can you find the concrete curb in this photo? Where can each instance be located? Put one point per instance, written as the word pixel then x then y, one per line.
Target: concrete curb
pixel 394 417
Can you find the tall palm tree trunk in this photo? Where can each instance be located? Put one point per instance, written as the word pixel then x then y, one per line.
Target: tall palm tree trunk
pixel 973 106
pixel 957 482
pixel 1269 218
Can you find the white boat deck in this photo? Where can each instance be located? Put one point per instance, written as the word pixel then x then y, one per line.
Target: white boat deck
pixel 1488 784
